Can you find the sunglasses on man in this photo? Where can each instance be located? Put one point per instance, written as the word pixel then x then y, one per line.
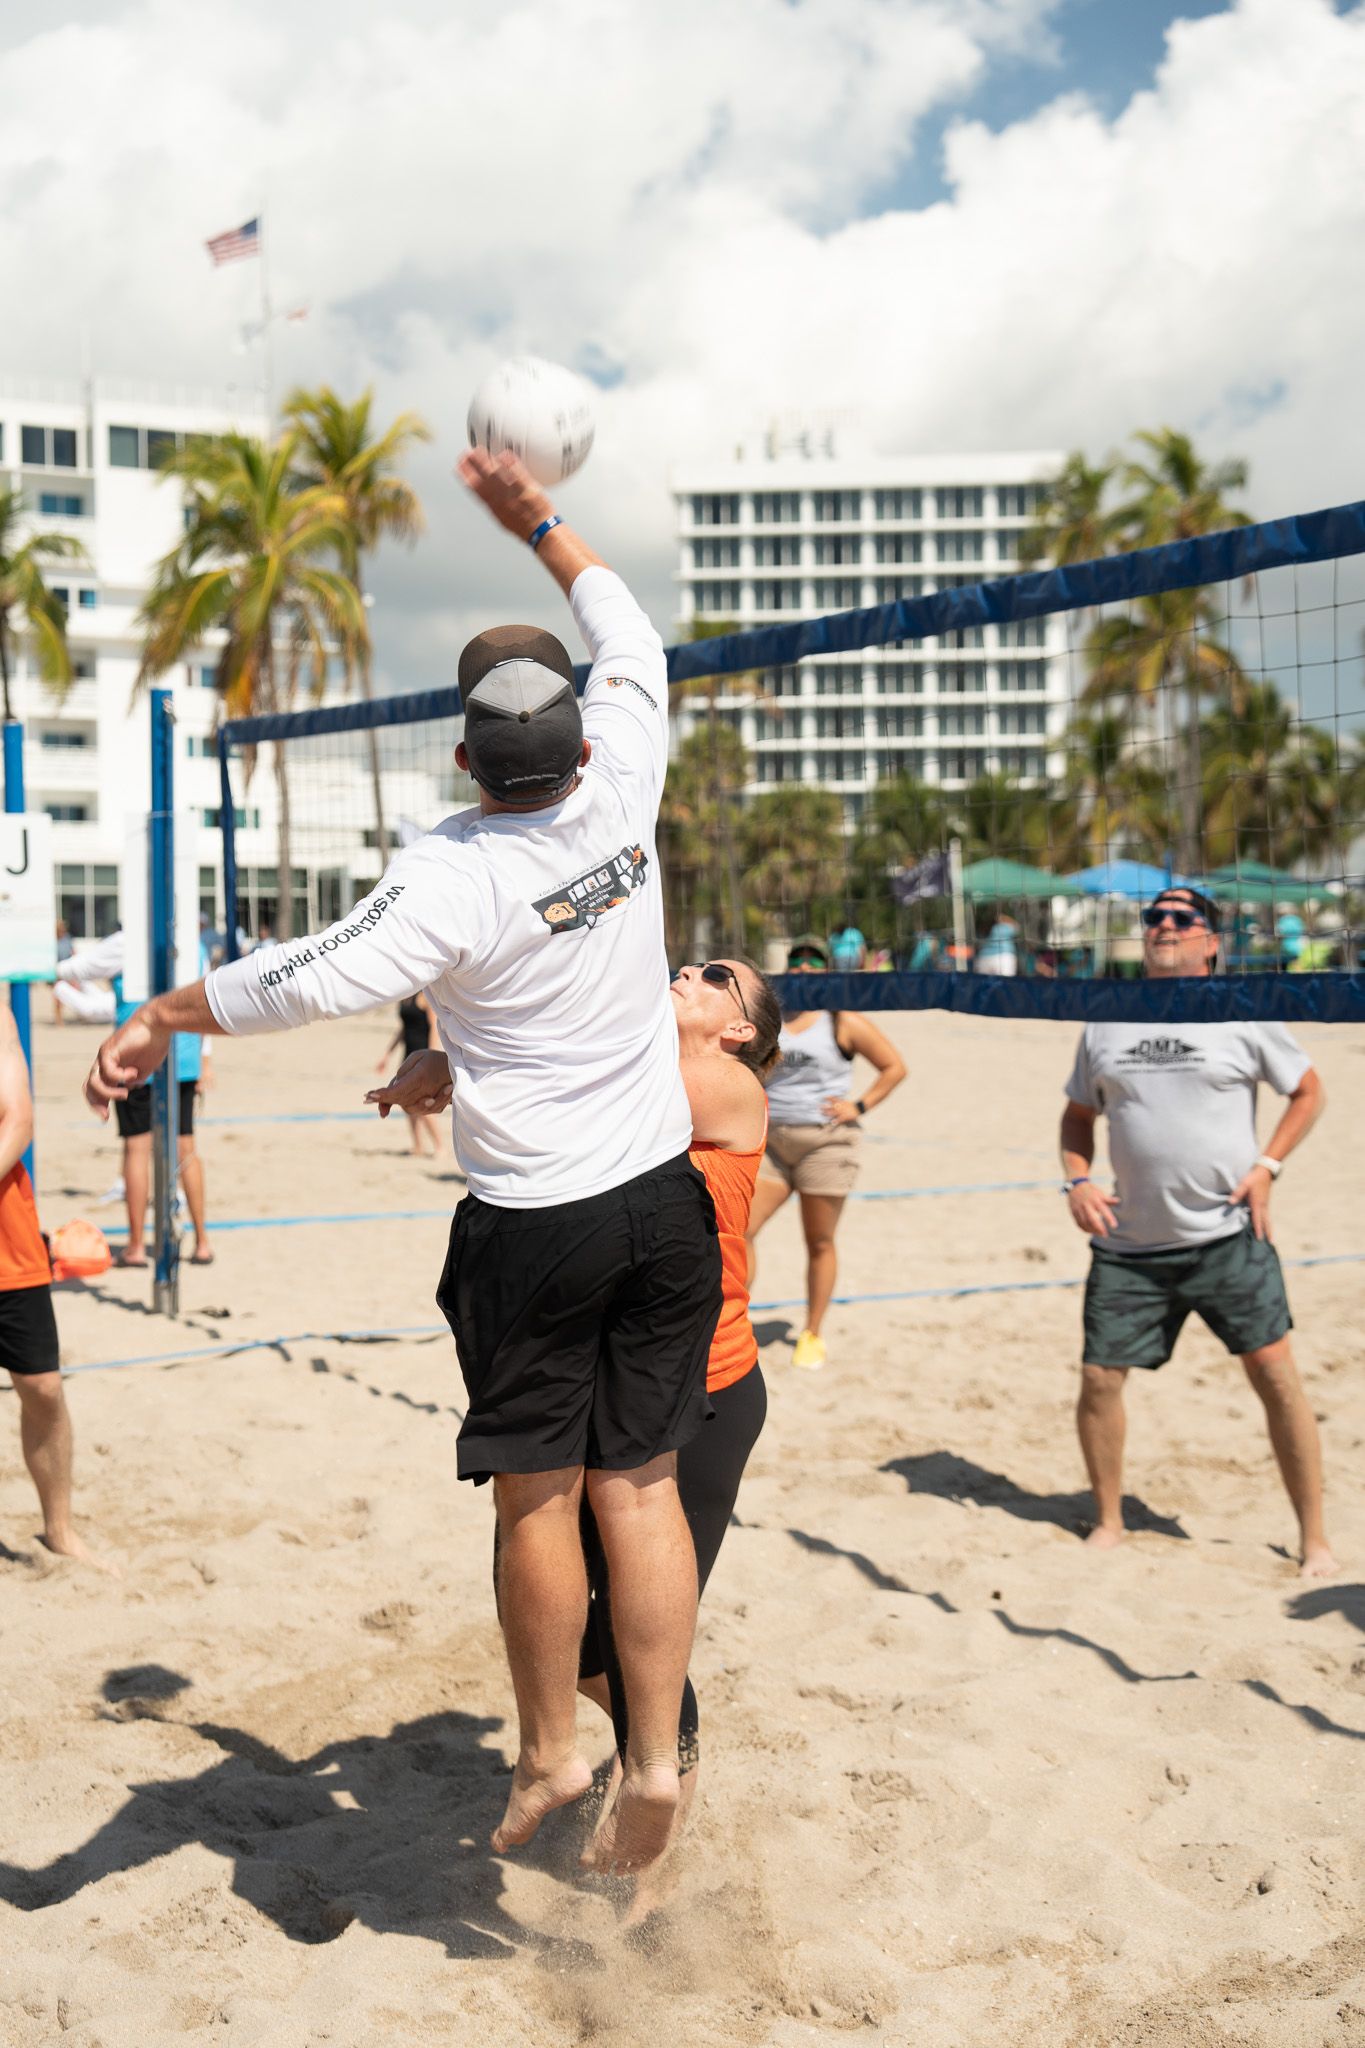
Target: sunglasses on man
pixel 1157 914
pixel 721 976
pixel 805 960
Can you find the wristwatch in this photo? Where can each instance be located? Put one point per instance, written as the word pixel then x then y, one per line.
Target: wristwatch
pixel 860 1106
pixel 1081 1180
pixel 1274 1167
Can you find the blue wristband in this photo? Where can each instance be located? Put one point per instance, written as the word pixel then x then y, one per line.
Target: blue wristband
pixel 533 540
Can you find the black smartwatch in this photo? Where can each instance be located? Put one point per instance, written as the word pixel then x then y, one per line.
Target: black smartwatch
pixel 860 1106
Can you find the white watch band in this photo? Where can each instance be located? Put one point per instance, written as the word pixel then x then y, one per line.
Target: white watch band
pixel 1274 1167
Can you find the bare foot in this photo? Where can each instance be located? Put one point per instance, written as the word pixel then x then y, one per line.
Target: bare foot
pixel 634 1830
pixel 536 1793
pixel 68 1544
pixel 1102 1537
pixel 1318 1562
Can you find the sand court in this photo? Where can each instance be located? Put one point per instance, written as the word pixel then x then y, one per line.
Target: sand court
pixel 961 1783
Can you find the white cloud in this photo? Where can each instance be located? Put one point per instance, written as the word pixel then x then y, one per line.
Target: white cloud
pixel 675 195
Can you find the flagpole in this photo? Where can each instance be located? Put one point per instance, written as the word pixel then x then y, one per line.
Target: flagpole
pixel 267 345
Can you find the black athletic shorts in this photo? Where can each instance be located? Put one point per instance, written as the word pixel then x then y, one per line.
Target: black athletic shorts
pixel 134 1113
pixel 28 1330
pixel 583 1329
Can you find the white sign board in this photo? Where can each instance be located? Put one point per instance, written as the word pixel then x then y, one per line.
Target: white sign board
pixel 134 888
pixel 28 898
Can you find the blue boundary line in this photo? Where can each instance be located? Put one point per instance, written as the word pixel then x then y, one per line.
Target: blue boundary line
pixel 755 1308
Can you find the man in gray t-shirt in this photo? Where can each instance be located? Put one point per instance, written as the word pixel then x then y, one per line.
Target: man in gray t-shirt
pixel 1188 1228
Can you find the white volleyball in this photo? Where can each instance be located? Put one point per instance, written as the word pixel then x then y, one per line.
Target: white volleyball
pixel 539 410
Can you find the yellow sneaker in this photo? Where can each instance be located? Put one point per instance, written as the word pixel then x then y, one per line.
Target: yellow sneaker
pixel 809 1355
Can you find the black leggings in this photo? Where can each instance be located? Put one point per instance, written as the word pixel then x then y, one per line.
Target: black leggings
pixel 709 1471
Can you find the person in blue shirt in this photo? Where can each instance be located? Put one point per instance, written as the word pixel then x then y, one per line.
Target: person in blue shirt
pixel 193 1074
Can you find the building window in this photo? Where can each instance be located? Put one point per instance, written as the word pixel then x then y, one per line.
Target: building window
pixel 203 678
pixel 961 678
pixel 960 547
pixel 960 501
pixel 834 506
pixel 63 447
pixel 160 443
pixel 839 724
pixel 249 820
pixel 1007 547
pixel 715 554
pixel 721 600
pixel 123 448
pixel 901 681
pixel 33 447
pixel 956 723
pixel 900 547
pixel 773 595
pixel 846 767
pixel 63 739
pixel 83 669
pixel 777 508
pixel 715 508
pixel 898 505
pixel 894 589
pixel 1025 762
pixel 60 594
pixel 834 548
pixel 1021 675
pixel 783 552
pixel 1017 501
pixel 782 682
pixel 87 899
pixel 61 504
pixel 901 722
pixel 1023 718
pixel 88 600
pixel 961 764
pixel 838 593
pixel 67 812
pixel 141 447
pixel 965 636
pixel 1024 633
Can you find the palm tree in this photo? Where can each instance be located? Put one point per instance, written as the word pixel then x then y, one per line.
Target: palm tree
pixel 24 590
pixel 1071 523
pixel 1272 787
pixel 699 885
pixel 1178 496
pixel 1114 801
pixel 339 449
pixel 794 854
pixel 729 772
pixel 905 819
pixel 256 564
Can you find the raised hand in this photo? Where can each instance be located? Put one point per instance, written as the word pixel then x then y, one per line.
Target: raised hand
pixel 507 488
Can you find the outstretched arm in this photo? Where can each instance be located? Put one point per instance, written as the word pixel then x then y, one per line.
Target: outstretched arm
pixel 519 504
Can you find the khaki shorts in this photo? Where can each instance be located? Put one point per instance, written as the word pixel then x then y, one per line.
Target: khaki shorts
pixel 814 1159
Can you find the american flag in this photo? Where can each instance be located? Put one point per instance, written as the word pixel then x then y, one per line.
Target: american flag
pixel 242 241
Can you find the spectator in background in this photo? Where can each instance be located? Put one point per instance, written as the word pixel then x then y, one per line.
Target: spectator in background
pixel 848 950
pixel 998 952
pixel 193 1074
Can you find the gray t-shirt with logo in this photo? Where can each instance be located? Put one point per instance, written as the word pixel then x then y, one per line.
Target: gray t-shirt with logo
pixel 1181 1104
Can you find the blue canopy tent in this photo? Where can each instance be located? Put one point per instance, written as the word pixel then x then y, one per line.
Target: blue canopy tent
pixel 1132 879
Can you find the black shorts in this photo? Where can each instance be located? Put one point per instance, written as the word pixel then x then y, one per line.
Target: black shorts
pixel 134 1113
pixel 583 1329
pixel 28 1330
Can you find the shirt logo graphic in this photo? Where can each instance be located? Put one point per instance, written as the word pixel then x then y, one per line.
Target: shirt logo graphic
pixel 581 903
pixel 1161 1052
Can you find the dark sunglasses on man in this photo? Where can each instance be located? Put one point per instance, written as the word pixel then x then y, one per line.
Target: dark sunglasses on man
pixel 795 960
pixel 1157 914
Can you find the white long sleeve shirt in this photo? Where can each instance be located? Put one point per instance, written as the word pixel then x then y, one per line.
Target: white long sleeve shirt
pixel 538 938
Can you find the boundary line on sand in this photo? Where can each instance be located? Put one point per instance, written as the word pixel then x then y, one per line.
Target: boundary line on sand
pixel 755 1308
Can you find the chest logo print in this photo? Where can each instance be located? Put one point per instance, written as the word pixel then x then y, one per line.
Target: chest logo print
pixel 580 904
pixel 1161 1052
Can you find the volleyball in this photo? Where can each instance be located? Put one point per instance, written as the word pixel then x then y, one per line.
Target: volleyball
pixel 540 411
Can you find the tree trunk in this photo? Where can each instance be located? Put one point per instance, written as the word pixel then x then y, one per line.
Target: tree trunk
pixel 372 741
pixel 4 664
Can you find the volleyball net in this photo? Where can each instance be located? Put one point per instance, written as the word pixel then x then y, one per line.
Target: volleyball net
pixel 968 791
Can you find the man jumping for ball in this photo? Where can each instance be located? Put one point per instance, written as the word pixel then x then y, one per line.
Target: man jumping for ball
pixel 583 1279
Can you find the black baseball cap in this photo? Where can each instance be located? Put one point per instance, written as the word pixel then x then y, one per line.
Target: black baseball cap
pixel 523 729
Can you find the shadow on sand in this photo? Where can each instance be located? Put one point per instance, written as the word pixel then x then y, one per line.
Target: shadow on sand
pixel 391 1830
pixel 959 1479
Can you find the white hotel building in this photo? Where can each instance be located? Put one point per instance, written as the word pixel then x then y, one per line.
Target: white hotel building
pixel 86 464
pixel 795 530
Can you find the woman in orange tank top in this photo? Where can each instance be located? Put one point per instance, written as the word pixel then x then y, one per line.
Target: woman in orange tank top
pixel 728 1025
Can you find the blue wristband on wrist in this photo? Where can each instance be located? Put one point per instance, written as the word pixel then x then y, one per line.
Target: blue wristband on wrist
pixel 533 540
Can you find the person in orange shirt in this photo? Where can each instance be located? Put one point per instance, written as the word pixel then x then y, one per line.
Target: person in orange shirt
pixel 729 1020
pixel 28 1327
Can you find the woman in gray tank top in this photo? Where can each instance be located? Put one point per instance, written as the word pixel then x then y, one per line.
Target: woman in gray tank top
pixel 814 1133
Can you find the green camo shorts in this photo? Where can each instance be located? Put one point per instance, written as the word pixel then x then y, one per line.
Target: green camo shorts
pixel 1136 1303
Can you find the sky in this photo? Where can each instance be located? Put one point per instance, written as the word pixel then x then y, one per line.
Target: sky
pixel 964 224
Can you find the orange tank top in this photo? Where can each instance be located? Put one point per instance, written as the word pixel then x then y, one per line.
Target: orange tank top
pixel 731 1176
pixel 23 1255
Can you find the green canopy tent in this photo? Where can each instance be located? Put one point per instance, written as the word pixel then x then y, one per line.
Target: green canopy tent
pixel 1012 881
pixel 1252 881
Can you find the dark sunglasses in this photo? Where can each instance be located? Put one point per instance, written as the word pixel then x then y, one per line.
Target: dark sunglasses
pixel 1157 914
pixel 805 960
pixel 721 976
